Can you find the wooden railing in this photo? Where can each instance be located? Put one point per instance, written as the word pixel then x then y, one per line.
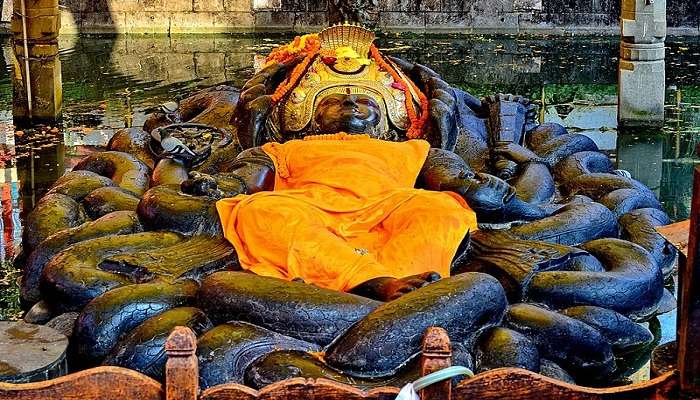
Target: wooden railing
pixel 181 382
pixel 182 374
pixel 97 383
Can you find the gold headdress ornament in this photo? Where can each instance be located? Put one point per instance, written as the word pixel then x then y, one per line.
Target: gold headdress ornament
pixel 337 60
pixel 346 36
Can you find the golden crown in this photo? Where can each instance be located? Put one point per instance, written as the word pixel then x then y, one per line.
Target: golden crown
pixel 347 35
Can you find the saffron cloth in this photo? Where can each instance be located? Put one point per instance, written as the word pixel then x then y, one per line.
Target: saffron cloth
pixel 343 211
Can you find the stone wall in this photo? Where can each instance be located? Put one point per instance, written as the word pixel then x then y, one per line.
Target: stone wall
pixel 465 16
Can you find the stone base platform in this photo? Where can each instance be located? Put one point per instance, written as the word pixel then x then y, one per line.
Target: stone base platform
pixel 31 353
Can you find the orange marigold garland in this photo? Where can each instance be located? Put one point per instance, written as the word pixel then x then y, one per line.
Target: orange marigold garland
pixel 301 45
pixel 417 121
pixel 309 46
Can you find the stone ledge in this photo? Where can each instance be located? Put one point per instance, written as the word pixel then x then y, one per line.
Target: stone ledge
pixel 216 21
pixel 508 16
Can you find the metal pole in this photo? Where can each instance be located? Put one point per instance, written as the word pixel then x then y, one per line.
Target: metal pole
pixel 26 57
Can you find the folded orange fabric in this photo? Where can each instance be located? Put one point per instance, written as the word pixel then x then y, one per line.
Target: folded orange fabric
pixel 344 210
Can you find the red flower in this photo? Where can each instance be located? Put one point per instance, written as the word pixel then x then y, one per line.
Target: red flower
pixel 398 85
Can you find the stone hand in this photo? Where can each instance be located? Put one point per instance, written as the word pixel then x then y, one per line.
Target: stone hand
pixel 430 81
pixel 487 193
pixel 443 112
pixel 255 105
pixel 199 185
pixel 213 186
pixel 515 152
pixel 443 101
pixel 399 287
pixel 505 168
pixel 388 289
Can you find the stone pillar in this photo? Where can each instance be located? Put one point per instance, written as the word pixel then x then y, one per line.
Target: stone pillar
pixel 40 21
pixel 642 71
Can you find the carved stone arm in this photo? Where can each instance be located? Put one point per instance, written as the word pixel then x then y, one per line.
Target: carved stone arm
pixel 256 169
pixel 253 171
pixel 491 198
pixel 444 171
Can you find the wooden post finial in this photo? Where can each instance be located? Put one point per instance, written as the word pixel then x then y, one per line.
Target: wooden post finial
pixel 181 369
pixel 437 355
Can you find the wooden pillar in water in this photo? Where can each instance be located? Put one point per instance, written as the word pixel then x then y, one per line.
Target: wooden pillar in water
pixel 642 69
pixel 689 303
pixel 37 97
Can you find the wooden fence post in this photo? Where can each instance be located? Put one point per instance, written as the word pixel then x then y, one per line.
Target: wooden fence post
pixel 689 303
pixel 437 355
pixel 181 369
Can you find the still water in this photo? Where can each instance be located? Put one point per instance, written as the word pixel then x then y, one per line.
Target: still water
pixel 114 82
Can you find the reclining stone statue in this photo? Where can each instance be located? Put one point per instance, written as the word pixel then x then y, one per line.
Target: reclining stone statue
pixel 362 201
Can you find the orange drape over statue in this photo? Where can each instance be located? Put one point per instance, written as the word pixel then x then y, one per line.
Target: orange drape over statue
pixel 344 210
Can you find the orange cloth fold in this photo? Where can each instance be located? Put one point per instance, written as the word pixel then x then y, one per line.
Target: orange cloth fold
pixel 344 210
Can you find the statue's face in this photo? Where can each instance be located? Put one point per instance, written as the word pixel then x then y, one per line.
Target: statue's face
pixel 350 113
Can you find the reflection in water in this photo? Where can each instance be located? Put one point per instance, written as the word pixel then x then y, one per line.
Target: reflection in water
pixel 114 82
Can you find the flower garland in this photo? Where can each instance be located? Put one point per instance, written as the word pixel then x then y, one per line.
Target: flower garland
pixel 309 46
pixel 416 130
pixel 337 136
pixel 301 45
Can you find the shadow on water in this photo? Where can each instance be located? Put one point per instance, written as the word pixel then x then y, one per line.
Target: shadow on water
pixel 111 82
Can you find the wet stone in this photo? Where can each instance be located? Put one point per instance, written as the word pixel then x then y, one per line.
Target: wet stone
pixel 664 359
pixel 64 323
pixel 31 353
pixel 40 313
